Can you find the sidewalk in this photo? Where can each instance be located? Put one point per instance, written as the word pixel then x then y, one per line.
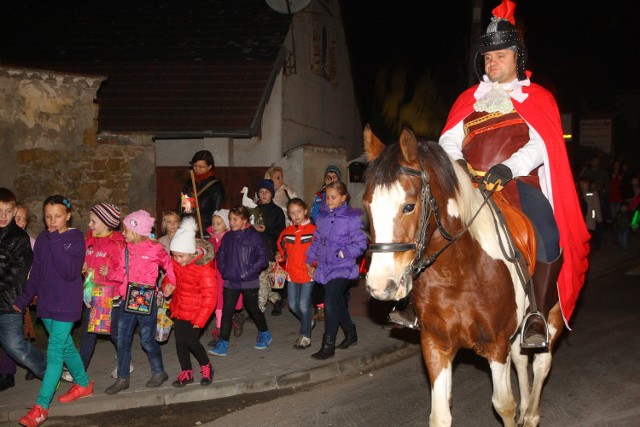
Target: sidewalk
pixel 246 370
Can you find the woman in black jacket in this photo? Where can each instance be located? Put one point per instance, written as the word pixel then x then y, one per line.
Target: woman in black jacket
pixel 209 189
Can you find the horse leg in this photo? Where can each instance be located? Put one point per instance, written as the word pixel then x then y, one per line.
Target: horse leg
pixel 521 364
pixel 541 367
pixel 502 397
pixel 440 370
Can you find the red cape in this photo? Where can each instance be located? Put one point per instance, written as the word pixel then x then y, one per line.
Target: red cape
pixel 541 112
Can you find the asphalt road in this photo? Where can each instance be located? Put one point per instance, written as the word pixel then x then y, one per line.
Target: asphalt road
pixel 595 379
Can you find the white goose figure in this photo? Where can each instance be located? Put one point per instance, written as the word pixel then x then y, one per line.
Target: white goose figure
pixel 246 201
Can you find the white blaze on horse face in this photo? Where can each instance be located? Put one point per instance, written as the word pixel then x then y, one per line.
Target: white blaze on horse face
pixel 384 208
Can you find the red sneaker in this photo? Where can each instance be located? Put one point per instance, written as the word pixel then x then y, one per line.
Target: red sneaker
pixel 76 392
pixel 36 416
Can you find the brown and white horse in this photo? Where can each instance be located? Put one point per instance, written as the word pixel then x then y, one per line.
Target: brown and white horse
pixel 434 236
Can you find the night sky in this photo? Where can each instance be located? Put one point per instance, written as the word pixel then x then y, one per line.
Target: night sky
pixel 580 51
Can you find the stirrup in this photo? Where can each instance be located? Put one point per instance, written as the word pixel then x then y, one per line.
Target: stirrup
pixel 397 317
pixel 528 321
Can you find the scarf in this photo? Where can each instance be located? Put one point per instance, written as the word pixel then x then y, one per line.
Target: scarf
pixel 199 177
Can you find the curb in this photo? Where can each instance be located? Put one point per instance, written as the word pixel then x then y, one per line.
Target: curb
pixel 225 388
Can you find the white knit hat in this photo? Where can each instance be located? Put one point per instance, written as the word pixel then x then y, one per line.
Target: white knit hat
pixel 224 214
pixel 184 240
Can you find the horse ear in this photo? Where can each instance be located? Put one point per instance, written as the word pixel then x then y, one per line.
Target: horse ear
pixel 409 146
pixel 372 145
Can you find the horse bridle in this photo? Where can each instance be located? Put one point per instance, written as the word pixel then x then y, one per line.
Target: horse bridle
pixel 429 207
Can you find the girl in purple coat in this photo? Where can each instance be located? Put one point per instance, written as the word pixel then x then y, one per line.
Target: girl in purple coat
pixel 56 277
pixel 243 254
pixel 337 243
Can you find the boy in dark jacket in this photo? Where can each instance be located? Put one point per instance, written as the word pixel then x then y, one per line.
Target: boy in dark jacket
pixel 15 261
pixel 274 223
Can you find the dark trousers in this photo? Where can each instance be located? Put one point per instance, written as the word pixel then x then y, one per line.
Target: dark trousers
pixel 89 339
pixel 538 209
pixel 336 311
pixel 250 298
pixel 187 343
pixel 317 294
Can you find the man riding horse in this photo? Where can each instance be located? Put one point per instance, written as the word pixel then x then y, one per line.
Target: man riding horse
pixel 510 128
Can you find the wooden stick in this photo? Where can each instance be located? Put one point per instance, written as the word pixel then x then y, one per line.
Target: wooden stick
pixel 195 195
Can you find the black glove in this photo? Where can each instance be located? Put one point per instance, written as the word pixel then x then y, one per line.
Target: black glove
pixel 497 176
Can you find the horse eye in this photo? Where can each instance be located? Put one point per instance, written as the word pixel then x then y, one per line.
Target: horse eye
pixel 408 208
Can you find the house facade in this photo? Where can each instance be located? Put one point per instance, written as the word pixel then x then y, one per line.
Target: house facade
pixel 253 86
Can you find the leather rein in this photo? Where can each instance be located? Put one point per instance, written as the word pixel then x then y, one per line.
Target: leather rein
pixel 429 208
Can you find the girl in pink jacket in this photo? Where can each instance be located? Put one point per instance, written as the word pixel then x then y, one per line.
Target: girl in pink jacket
pixel 142 257
pixel 104 255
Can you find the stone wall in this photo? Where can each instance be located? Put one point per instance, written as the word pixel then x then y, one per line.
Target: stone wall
pixel 49 145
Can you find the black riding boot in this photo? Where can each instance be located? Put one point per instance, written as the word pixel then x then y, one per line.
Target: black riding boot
pixel 404 314
pixel 350 337
pixel 328 348
pixel 543 295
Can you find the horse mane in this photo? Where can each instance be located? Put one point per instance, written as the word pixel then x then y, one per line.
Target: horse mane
pixel 452 179
pixel 384 169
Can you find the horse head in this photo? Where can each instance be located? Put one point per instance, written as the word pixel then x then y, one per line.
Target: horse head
pixel 400 199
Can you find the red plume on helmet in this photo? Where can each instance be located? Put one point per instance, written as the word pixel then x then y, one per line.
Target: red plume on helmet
pixel 506 10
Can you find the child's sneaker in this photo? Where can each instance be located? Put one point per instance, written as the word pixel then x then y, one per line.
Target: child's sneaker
pixel 114 373
pixel 76 392
pixel 36 416
pixel 185 377
pixel 263 340
pixel 207 374
pixel 221 348
pixel 302 343
pixel 66 376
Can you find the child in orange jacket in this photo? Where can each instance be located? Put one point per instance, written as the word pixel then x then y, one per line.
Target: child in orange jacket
pixel 292 249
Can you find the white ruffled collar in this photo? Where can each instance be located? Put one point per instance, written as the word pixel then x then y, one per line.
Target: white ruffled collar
pixel 492 96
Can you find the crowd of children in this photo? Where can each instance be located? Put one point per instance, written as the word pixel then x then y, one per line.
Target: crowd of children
pixel 202 280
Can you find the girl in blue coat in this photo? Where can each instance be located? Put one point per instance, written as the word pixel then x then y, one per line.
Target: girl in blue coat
pixel 337 243
pixel 243 254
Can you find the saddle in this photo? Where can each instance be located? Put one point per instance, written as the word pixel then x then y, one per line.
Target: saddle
pixel 520 228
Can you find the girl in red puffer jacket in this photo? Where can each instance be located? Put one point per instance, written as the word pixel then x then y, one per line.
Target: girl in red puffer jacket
pixel 193 299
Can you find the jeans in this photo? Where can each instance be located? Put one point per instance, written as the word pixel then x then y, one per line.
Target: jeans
pixel 299 296
pixel 250 297
pixel 18 349
pixel 88 341
pixel 336 312
pixel 147 326
pixel 61 351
